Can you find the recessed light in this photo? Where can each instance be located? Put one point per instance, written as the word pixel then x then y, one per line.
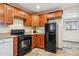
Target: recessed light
pixel 37 7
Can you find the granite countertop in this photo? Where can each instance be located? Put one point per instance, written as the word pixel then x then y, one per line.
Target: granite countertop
pixel 38 34
pixel 7 35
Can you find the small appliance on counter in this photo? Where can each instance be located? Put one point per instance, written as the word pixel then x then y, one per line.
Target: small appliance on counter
pixel 50 37
pixel 17 32
pixel 24 41
pixel 34 30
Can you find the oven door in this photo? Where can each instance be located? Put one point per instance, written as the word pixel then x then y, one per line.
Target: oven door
pixel 24 45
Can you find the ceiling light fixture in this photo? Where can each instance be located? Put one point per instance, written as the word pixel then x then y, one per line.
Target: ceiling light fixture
pixel 38 7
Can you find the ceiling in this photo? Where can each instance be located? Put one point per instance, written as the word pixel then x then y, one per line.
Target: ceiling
pixel 43 6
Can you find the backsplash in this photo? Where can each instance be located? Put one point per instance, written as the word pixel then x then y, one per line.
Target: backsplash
pixel 28 30
pixel 4 28
pixel 40 30
pixel 18 24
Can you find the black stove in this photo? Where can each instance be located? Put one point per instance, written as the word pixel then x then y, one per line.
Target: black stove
pixel 24 44
pixel 24 41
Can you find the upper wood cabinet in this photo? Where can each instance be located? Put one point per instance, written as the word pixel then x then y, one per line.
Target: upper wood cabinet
pixel 19 13
pixel 6 16
pixel 28 20
pixel 35 20
pixel 56 14
pixel 1 13
pixel 42 20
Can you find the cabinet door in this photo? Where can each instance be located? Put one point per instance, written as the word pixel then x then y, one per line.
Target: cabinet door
pixel 1 13
pixel 8 15
pixel 41 41
pixel 35 20
pixel 38 40
pixel 19 13
pixel 15 46
pixel 28 20
pixel 34 41
pixel 51 15
pixel 56 14
pixel 43 20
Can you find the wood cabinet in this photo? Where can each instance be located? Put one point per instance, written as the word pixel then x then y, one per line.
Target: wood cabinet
pixel 34 41
pixel 38 41
pixel 28 20
pixel 56 14
pixel 15 46
pixel 35 20
pixel 1 13
pixel 6 16
pixel 42 20
pixel 19 13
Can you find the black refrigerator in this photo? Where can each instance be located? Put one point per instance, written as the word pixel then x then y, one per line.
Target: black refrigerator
pixel 50 37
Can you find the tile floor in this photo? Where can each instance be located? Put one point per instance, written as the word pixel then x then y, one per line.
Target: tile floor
pixel 41 52
pixel 64 52
pixel 69 49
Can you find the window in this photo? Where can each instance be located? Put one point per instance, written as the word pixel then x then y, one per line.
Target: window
pixel 70 25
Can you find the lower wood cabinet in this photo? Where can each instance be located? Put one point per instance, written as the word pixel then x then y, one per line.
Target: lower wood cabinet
pixel 15 46
pixel 38 41
pixel 34 41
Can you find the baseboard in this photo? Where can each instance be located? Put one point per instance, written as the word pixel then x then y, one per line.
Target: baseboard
pixel 70 41
pixel 37 47
pixel 44 48
pixel 40 47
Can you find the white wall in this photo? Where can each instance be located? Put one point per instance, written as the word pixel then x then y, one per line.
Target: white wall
pixel 70 14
